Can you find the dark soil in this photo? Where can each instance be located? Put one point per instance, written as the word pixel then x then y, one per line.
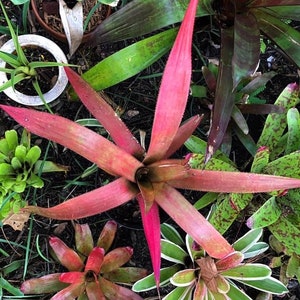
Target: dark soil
pixel 135 98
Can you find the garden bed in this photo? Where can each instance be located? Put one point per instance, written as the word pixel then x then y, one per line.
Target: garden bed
pixel 135 100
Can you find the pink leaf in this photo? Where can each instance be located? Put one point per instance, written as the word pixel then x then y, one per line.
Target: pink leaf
pixel 70 293
pixel 66 256
pixel 81 140
pixel 95 260
pixel 233 182
pixel 97 201
pixel 174 90
pixel 230 261
pixel 192 222
pixel 151 224
pixel 183 133
pixel 105 115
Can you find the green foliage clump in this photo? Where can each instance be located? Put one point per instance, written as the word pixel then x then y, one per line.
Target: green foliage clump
pixel 17 170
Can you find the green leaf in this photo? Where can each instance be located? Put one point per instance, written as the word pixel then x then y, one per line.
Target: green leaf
pixel 260 160
pixel 293 122
pixel 6 169
pixel 288 165
pixel 247 240
pixel 11 137
pixel 179 293
pixel 197 145
pixel 8 287
pixel 293 267
pixel 15 163
pixel 197 162
pixel 248 272
pixel 237 294
pixel 20 153
pixel 4 148
pixel 276 123
pixel 10 59
pixel 205 200
pixel 48 167
pixel 138 18
pixel 256 249
pixel 183 278
pixel 267 214
pixel 129 61
pixel 286 233
pixel 170 233
pixel 270 285
pixel 173 252
pixel 33 155
pixel 35 181
pixel 291 12
pixel 148 283
pixel 228 210
pixel 286 37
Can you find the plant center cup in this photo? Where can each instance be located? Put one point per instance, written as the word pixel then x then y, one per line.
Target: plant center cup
pixel 56 52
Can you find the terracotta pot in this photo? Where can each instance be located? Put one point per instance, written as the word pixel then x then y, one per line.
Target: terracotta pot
pixel 53 8
pixel 59 56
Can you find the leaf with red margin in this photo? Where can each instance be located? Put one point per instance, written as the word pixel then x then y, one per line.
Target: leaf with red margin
pixel 83 141
pixel 174 89
pixel 91 203
pixel 104 113
pixel 94 292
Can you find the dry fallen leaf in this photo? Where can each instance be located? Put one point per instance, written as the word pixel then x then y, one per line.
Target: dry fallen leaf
pixel 17 220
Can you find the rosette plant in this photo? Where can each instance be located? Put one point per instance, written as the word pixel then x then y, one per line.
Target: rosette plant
pixel 149 176
pixel 197 276
pixel 92 271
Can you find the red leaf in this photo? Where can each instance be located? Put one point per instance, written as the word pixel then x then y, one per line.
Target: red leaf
pixel 105 115
pixel 174 89
pixel 72 277
pixel 234 182
pixel 97 201
pixel 66 256
pixel 151 224
pixel 95 260
pixel 82 140
pixel 192 222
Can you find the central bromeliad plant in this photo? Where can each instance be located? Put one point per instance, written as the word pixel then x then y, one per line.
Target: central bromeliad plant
pixel 149 176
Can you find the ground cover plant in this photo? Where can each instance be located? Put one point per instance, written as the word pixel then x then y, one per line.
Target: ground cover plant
pixel 151 175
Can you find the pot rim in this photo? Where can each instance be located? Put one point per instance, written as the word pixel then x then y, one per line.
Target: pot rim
pixel 58 35
pixel 58 54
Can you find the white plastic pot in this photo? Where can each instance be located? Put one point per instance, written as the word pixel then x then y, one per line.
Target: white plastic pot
pixel 48 45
